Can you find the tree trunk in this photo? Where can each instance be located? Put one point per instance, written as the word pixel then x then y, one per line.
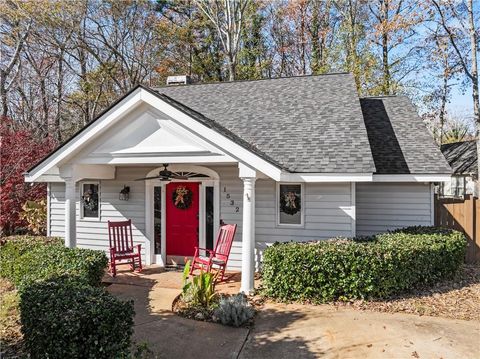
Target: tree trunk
pixel 443 105
pixel 231 70
pixel 57 125
pixel 315 35
pixel 83 77
pixel 303 42
pixel 385 61
pixel 3 93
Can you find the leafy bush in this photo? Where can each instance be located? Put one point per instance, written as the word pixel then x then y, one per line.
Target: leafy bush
pixel 377 266
pixel 200 291
pixel 12 248
pixel 234 310
pixel 21 149
pixel 27 259
pixel 35 214
pixel 65 318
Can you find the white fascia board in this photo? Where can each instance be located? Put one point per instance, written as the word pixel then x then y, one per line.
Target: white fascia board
pixel 45 178
pixel 155 160
pixel 325 177
pixel 412 178
pixel 211 136
pixel 106 120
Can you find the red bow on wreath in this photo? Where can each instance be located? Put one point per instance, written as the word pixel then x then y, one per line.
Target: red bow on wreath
pixel 180 192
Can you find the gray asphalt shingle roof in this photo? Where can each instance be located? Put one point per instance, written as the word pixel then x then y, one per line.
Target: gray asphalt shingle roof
pixel 310 124
pixel 306 124
pixel 400 141
pixel 461 156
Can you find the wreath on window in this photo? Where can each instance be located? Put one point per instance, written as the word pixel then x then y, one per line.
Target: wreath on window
pixel 290 203
pixel 90 200
pixel 182 197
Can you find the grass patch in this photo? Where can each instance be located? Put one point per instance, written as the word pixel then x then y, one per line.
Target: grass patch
pixel 11 343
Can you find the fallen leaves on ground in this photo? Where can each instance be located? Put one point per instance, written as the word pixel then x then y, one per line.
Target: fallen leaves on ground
pixel 458 298
pixel 10 334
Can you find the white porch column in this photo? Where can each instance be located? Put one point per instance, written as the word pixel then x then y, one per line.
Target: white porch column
pixel 248 177
pixel 70 213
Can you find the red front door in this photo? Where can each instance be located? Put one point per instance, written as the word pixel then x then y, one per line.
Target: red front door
pixel 182 218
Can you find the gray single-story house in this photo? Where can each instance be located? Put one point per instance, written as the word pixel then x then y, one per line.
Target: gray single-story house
pixel 462 157
pixel 287 159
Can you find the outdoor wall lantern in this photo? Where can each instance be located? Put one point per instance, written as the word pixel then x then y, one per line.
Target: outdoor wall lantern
pixel 124 194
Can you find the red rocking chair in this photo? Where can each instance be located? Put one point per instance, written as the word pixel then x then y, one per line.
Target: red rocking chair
pixel 122 249
pixel 219 256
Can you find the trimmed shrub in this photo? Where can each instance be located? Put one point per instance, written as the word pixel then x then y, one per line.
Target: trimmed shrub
pixel 12 248
pixel 369 267
pixel 66 318
pixel 27 259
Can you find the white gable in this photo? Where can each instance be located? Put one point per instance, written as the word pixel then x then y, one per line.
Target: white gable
pixel 147 133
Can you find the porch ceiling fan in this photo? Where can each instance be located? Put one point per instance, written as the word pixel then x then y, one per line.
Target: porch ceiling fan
pixel 164 175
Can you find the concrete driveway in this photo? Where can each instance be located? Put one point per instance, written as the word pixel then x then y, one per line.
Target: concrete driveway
pixel 290 331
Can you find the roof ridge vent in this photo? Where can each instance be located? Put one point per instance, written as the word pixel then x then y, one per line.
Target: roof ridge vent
pixel 179 80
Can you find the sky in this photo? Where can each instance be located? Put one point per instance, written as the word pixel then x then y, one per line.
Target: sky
pixel 461 104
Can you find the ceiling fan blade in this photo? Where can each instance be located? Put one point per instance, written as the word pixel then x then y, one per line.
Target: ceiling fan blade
pixel 147 178
pixel 179 177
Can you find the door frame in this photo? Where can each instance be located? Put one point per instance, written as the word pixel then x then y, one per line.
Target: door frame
pixel 212 180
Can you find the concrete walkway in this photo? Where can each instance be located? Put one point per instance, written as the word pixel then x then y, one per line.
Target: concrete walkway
pixel 288 331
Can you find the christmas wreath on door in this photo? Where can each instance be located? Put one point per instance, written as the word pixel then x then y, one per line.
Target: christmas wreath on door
pixel 182 197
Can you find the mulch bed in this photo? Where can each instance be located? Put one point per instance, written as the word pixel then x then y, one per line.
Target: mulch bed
pixel 456 299
pixel 201 314
pixel 180 308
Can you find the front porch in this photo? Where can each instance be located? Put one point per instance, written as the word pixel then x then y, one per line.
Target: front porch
pixel 221 194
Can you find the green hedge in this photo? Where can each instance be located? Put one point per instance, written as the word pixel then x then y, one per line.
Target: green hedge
pixel 369 267
pixel 27 259
pixel 12 248
pixel 64 318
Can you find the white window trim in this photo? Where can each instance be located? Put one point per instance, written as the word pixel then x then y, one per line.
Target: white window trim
pixel 80 190
pixel 302 209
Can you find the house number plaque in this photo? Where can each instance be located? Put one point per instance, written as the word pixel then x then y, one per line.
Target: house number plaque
pixel 232 202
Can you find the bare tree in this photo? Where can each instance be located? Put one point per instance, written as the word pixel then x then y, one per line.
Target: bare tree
pixel 14 30
pixel 468 59
pixel 394 22
pixel 227 17
pixel 474 78
pixel 321 31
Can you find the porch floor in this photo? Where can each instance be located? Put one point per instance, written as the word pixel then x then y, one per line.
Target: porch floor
pixel 169 278
pixel 285 330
